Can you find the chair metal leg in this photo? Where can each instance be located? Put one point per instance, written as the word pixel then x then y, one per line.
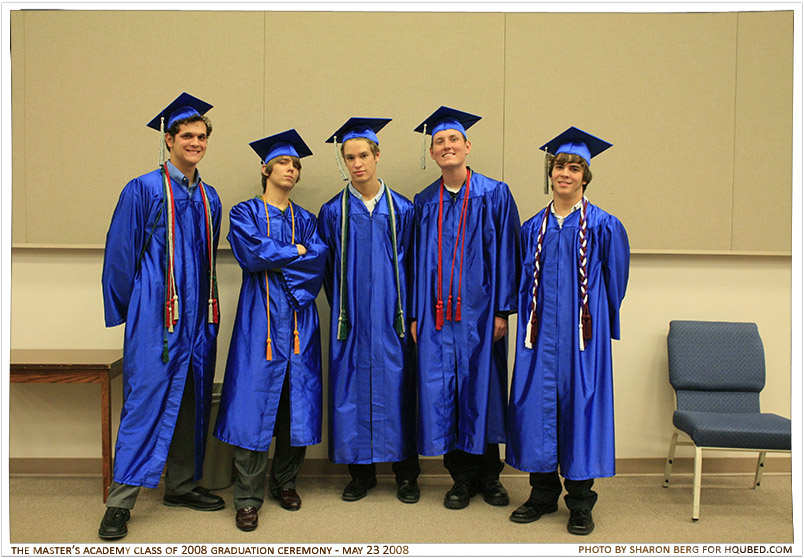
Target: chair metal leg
pixel 696 484
pixel 760 467
pixel 671 454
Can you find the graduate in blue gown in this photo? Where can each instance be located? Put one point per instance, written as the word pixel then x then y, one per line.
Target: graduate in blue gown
pixel 272 385
pixel 372 391
pixel 159 279
pixel 561 413
pixel 465 288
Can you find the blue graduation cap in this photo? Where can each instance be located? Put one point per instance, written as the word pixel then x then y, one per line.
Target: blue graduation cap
pixel 359 128
pixel 577 142
pixel 184 106
pixel 288 142
pixel 446 118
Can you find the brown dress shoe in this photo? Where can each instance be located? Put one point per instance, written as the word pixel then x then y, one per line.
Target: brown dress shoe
pixel 289 499
pixel 246 518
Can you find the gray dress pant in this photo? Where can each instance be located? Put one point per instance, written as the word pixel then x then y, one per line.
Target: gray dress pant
pixel 252 465
pixel 180 464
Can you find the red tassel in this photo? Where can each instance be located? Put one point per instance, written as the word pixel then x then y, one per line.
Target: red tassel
pixel 296 347
pixel 586 323
pixel 458 310
pixel 449 308
pixel 534 328
pixel 439 314
pixel 215 314
pixel 269 355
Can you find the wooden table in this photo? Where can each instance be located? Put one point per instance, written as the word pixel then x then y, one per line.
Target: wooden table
pixel 68 366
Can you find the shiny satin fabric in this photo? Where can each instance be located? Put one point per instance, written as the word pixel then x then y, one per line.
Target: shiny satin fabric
pixel 252 385
pixel 152 390
pixel 372 397
pixel 561 412
pixel 463 374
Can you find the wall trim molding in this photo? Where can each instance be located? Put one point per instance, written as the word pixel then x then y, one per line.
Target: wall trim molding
pixel 91 466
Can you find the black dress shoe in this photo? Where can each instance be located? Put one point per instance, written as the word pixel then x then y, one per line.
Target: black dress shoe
pixel 199 498
pixel 247 519
pixel 580 522
pixel 358 488
pixel 531 511
pixel 494 493
pixel 113 524
pixel 408 492
pixel 459 495
pixel 288 499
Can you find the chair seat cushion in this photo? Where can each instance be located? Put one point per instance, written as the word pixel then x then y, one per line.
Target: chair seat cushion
pixel 735 430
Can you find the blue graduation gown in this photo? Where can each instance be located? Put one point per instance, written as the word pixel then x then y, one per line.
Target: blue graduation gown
pixel 372 398
pixel 463 374
pixel 135 294
pixel 252 385
pixel 561 409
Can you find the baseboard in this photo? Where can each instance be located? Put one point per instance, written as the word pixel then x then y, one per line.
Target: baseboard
pixel 432 466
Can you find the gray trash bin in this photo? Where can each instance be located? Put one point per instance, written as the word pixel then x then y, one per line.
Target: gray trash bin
pixel 219 468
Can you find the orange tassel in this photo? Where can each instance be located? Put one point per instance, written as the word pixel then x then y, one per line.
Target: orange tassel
pixel 439 314
pixel 449 308
pixel 458 310
pixel 269 355
pixel 296 342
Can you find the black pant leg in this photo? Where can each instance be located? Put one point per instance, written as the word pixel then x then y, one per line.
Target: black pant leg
pixel 545 487
pixel 462 466
pixel 363 471
pixel 407 469
pixel 490 464
pixel 580 495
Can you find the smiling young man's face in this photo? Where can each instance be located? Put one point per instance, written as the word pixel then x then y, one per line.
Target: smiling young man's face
pixel 568 181
pixel 449 149
pixel 188 146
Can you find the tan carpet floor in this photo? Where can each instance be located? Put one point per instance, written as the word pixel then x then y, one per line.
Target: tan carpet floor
pixel 630 509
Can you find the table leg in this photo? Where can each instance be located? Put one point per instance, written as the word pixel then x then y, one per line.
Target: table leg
pixel 106 433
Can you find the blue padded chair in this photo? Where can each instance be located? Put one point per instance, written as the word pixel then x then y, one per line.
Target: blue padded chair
pixel 717 370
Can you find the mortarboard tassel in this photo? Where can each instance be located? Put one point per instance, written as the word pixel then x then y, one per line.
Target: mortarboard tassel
pixel 423 163
pixel 162 141
pixel 449 308
pixel 344 176
pixel 269 354
pixel 546 172
pixel 458 310
pixel 439 314
pixel 296 347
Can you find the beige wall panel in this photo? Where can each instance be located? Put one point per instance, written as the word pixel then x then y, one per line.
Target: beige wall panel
pixel 92 82
pixel 660 87
pixel 763 168
pixel 18 192
pixel 322 68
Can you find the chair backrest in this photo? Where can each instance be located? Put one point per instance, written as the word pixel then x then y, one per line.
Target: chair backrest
pixel 716 366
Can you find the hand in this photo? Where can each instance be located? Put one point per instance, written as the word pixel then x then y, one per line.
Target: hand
pixel 302 249
pixel 500 327
pixel 413 331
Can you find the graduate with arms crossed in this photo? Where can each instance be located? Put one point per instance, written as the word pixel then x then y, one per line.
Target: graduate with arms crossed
pixel 465 288
pixel 372 391
pixel 574 274
pixel 159 278
pixel 272 386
